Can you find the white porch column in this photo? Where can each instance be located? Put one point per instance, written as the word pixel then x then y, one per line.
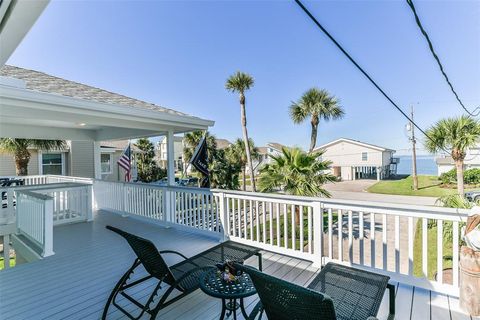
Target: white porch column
pixel 170 158
pixel 96 160
pixel 379 169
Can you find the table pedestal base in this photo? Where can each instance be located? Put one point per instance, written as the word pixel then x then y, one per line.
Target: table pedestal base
pixel 231 307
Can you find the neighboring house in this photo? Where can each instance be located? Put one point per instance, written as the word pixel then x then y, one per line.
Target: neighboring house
pixel 161 153
pixel 75 160
pixel 353 159
pixel 472 160
pixel 222 144
pixel 266 153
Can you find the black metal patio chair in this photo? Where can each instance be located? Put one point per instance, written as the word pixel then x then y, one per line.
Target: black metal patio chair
pixel 337 292
pixel 182 277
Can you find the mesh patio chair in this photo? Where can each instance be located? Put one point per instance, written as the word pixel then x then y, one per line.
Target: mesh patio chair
pixel 337 292
pixel 182 277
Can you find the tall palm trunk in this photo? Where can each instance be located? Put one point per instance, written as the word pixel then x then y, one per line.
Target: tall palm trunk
pixel 22 157
pixel 244 177
pixel 313 137
pixel 245 138
pixel 460 186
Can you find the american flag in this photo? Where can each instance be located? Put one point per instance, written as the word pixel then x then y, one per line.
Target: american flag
pixel 124 162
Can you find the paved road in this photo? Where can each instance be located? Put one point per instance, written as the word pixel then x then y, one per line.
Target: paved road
pixel 355 190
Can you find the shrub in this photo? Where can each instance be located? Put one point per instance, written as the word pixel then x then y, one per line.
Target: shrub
pixel 449 176
pixel 472 176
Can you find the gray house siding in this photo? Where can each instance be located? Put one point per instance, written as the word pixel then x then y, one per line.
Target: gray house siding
pixel 80 159
pixel 7 164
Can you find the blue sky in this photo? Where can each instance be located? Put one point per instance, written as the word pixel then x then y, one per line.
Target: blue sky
pixel 178 54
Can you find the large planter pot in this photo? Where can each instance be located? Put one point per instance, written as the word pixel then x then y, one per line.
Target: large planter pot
pixel 470 280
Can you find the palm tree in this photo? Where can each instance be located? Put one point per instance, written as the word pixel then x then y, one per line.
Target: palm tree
pixel 240 82
pixel 317 104
pixel 236 154
pixel 457 135
pixel 297 173
pixel 21 154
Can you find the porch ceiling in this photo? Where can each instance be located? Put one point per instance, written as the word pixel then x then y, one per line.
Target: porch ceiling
pixel 28 113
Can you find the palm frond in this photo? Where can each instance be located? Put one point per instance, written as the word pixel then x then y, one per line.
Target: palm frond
pixel 239 82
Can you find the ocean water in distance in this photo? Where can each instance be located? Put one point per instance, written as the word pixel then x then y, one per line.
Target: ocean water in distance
pixel 425 165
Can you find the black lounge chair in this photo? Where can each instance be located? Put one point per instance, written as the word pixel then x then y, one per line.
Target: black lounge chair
pixel 182 276
pixel 337 292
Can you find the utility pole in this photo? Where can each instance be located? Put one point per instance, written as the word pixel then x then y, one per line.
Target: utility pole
pixel 414 153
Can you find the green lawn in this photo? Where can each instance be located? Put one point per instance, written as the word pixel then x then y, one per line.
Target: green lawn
pixel 428 186
pixel 432 252
pixel 2 264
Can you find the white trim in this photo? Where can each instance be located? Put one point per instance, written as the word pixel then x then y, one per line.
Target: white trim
pixel 111 162
pixel 40 160
pixel 17 18
pixel 54 101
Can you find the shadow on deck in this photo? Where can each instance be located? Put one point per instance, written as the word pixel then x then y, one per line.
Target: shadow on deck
pixel 88 260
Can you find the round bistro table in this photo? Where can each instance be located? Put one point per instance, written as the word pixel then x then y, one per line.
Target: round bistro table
pixel 214 286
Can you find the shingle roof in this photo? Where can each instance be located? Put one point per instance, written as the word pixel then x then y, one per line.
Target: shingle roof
pixel 222 143
pixel 275 145
pixel 262 150
pixel 445 160
pixel 118 145
pixel 43 82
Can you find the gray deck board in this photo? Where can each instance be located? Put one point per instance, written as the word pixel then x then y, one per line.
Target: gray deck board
pixel 75 282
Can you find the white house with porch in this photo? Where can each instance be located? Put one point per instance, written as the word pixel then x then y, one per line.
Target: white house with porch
pixel 72 262
pixel 352 159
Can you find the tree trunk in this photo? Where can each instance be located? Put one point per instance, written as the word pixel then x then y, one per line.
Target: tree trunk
pixel 313 137
pixel 244 178
pixel 247 143
pixel 22 158
pixel 297 216
pixel 460 187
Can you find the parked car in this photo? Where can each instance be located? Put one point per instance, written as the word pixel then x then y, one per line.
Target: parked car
pixel 473 195
pixel 164 182
pixel 189 182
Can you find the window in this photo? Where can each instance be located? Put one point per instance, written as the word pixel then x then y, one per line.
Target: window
pixel 106 163
pixel 364 156
pixel 52 163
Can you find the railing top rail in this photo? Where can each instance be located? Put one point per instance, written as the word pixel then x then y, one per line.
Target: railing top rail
pixel 52 186
pixel 39 196
pixel 352 203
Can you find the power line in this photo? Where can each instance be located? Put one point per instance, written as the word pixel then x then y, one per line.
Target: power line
pixel 300 4
pixel 475 112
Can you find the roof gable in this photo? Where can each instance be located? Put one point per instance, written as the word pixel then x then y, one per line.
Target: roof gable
pixel 356 142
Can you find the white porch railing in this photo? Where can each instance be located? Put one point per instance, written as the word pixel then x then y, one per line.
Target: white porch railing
pixel 368 235
pixel 33 209
pixel 35 220
pixel 406 242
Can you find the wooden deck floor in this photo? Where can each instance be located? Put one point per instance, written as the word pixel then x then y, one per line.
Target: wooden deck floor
pixel 88 260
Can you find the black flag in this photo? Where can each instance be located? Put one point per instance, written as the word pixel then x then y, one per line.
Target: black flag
pixel 200 162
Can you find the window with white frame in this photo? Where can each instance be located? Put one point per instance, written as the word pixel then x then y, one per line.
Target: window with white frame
pixel 52 163
pixel 364 156
pixel 106 161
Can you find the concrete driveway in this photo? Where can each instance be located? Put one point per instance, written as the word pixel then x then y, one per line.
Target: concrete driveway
pixel 356 190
